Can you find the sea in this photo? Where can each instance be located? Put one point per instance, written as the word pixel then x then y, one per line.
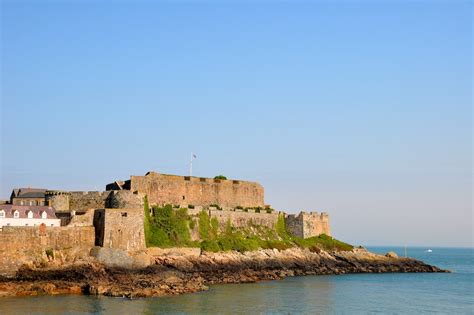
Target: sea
pixel 409 293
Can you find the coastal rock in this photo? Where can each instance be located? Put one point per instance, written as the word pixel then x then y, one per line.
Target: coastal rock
pixel 391 255
pixel 171 275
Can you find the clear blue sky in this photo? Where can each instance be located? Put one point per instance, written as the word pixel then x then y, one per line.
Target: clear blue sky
pixel 362 109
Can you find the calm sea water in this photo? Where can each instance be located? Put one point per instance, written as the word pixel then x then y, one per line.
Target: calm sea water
pixel 345 294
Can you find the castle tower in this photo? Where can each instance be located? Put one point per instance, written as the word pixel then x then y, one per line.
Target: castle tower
pixel 57 199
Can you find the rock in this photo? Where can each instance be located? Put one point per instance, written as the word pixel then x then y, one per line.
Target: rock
pixel 170 275
pixel 112 257
pixel 391 255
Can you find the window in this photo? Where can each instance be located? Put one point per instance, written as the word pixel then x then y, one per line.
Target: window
pixel 21 203
pixel 2 213
pixel 30 214
pixel 16 214
pixel 44 215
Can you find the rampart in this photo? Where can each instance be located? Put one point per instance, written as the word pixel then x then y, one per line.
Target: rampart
pixel 120 228
pixel 184 190
pixel 83 200
pixel 240 218
pixel 80 201
pixel 26 245
pixel 308 224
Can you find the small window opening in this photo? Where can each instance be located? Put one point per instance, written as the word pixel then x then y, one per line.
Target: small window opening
pixel 184 197
pixel 124 214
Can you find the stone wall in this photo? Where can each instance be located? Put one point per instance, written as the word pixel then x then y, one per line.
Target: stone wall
pixel 308 224
pixel 28 245
pixel 120 229
pixel 32 238
pixel 125 199
pixel 240 218
pixel 83 200
pixel 182 190
pixel 59 200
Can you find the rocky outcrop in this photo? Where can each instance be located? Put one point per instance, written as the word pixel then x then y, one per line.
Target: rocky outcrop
pixel 170 275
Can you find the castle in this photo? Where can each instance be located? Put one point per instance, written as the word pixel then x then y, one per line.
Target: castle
pixel 114 218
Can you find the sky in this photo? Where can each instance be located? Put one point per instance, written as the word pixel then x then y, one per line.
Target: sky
pixel 362 109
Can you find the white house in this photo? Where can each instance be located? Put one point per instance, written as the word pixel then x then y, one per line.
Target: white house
pixel 17 215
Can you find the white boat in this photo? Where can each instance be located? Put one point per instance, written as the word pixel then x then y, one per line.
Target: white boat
pixel 429 251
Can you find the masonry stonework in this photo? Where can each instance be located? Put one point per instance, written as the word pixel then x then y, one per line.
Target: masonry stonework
pixel 308 224
pixel 244 219
pixel 182 190
pixel 22 245
pixel 83 200
pixel 120 229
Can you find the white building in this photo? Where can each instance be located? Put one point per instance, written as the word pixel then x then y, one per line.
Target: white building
pixel 17 215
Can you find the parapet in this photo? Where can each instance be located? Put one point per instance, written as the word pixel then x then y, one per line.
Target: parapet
pixel 308 224
pixel 125 199
pixel 164 189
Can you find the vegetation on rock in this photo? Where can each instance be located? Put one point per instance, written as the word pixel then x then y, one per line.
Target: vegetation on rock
pixel 168 227
pixel 220 177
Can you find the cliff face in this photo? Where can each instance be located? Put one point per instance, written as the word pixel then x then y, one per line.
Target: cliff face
pixel 171 274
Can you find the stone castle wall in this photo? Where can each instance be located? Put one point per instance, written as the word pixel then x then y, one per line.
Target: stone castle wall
pixel 59 200
pixel 244 219
pixel 83 200
pixel 28 245
pixel 120 228
pixel 308 224
pixel 32 238
pixel 182 190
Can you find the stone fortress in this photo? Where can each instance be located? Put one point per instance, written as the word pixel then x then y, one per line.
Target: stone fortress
pixel 114 218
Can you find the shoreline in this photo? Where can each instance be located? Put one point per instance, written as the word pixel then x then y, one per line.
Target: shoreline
pixel 174 275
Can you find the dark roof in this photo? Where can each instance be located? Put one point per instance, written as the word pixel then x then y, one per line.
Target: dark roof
pixel 28 193
pixel 23 210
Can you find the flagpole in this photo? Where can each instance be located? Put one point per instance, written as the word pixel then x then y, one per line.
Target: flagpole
pixel 191 165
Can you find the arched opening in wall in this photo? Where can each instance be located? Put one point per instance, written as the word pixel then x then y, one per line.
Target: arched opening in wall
pixel 30 214
pixel 184 197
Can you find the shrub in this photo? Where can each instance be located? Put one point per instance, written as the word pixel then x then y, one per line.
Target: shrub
pixel 191 206
pixel 322 241
pixel 220 177
pixel 239 207
pixel 214 228
pixel 167 227
pixel 228 228
pixel 204 225
pixel 49 253
pixel 210 246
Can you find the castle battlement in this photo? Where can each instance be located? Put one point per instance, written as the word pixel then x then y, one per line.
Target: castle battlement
pixel 164 189
pixel 306 224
